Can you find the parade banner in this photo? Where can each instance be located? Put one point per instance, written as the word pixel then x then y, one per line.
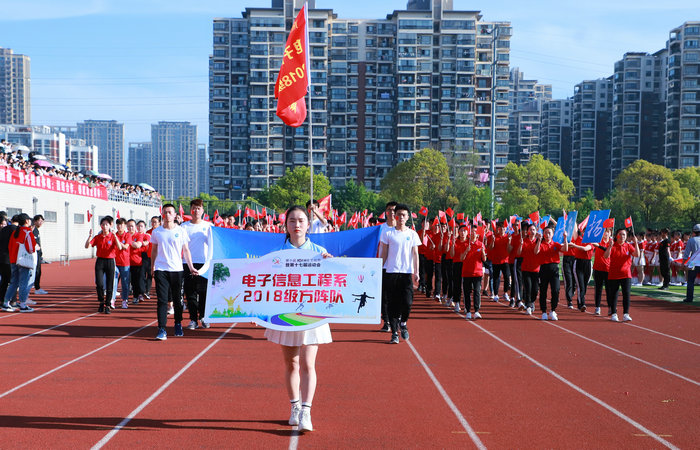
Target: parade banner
pixel 295 290
pixel 22 178
pixel 570 225
pixel 595 228
pixel 558 235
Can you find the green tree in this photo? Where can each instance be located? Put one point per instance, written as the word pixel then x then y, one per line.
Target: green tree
pixel 689 179
pixel 539 185
pixel 355 197
pixel 586 204
pixel 221 273
pixel 422 180
pixel 650 193
pixel 293 189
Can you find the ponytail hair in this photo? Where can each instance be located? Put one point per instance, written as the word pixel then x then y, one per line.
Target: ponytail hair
pixel 22 220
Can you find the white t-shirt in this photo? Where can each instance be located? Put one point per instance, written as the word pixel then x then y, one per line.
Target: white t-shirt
pixel 401 243
pixel 170 244
pixel 317 226
pixel 201 243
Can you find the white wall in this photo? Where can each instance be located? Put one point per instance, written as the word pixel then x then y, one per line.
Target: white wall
pixel 63 236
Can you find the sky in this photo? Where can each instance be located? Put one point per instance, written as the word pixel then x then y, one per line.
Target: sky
pixel 140 62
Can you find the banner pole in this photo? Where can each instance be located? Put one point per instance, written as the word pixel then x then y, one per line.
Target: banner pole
pixel 311 130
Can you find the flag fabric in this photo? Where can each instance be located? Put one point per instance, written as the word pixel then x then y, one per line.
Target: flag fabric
pixel 249 213
pixel 423 211
pixel 293 79
pixel 89 215
pixel 237 214
pixel 478 217
pixel 324 204
pixel 583 224
pixel 609 223
pixel 206 217
pixel 382 216
pixel 119 216
pixel 443 218
pixel 181 210
pixel 414 215
pixel 535 217
pixel 493 224
pixel 628 222
pixel 450 212
pixel 460 216
pixel 343 218
pixel 452 223
pixel 436 221
pixel 283 216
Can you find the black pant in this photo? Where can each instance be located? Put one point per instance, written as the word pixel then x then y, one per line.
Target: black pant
pixel 5 275
pixel 472 290
pixel 446 277
pixel 530 287
pixel 567 267
pixel 583 276
pixel 104 268
pixel 456 281
pixel 612 286
pixel 385 313
pixel 600 279
pixel 195 292
pixel 421 271
pixel 138 281
pixel 549 277
pixel 37 275
pixel 147 277
pixel 429 270
pixel 438 277
pixel 168 288
pixel 517 277
pixel 489 267
pixel 665 270
pixel 400 298
pixel 499 269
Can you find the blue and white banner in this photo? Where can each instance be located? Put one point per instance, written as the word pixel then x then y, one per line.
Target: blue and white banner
pixel 594 228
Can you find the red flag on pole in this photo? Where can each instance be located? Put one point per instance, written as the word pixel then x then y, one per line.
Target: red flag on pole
pixel 414 215
pixel 628 222
pixel 583 224
pixel 119 216
pixel 535 217
pixel 293 79
pixel 460 216
pixel 324 204
pixel 450 212
pixel 443 217
pixel 181 211
pixel 423 211
pixel 89 215
pixel 478 217
pixel 382 216
pixel 609 223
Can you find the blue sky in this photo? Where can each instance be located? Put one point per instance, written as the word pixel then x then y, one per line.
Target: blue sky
pixel 144 61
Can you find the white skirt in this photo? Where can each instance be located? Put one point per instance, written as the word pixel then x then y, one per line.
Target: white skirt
pixel 314 336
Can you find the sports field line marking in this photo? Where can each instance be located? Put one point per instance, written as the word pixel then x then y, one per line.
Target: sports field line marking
pixel 45 374
pixel 46 329
pixel 580 390
pixel 159 391
pixel 663 334
pixel 470 431
pixel 47 306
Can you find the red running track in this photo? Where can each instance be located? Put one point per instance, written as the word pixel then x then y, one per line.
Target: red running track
pixel 71 378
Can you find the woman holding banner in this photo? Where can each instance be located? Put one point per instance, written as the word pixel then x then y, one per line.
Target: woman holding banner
pixel 299 348
pixel 620 274
pixel 528 249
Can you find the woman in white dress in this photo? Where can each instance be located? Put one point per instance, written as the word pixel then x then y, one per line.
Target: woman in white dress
pixel 299 348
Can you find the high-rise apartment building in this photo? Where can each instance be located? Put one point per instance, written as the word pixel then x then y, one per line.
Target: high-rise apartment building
pixel 592 136
pixel 555 133
pixel 202 169
pixel 381 90
pixel 682 146
pixel 15 83
pixel 639 93
pixel 108 136
pixel 175 158
pixel 140 162
pixel 526 98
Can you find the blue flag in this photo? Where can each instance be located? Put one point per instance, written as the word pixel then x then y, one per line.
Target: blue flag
pixel 559 231
pixel 594 229
pixel 570 225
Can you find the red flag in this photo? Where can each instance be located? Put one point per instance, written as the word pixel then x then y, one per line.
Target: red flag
pixel 206 217
pixel 449 212
pixel 293 78
pixel 414 215
pixel 443 217
pixel 609 223
pixel 423 211
pixel 493 225
pixel 263 213
pixel 628 222
pixel 182 211
pixel 512 219
pixel 583 224
pixel 436 222
pixel 249 213
pixel 282 217
pixel 324 204
pixel 238 213
pixel 343 217
pixel 119 216
pixel 535 217
pixel 505 223
pixel 478 217
pixel 89 215
pixel 452 223
pixel 544 224
pixel 382 216
pixel 460 216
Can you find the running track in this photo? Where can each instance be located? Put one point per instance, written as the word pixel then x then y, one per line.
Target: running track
pixel 74 379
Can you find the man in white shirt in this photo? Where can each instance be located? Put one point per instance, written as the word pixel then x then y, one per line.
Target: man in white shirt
pixel 398 248
pixel 318 222
pixel 389 224
pixel 201 249
pixel 169 244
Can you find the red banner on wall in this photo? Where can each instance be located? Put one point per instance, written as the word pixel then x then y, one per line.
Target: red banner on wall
pixel 21 178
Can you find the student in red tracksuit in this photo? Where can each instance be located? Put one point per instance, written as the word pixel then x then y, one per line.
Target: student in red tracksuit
pixel 530 267
pixel 548 252
pixel 582 268
pixel 499 251
pixel 473 259
pixel 457 250
pixel 135 261
pixel 19 278
pixel 620 275
pixel 107 245
pixel 601 266
pixel 515 262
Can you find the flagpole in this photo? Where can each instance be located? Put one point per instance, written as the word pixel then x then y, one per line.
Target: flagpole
pixel 311 128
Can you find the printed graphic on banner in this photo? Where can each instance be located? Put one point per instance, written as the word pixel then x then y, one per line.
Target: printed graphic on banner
pixel 570 225
pixel 20 178
pixel 559 230
pixel 595 228
pixel 295 290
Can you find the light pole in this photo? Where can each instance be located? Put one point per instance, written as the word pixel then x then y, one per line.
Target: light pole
pixel 492 153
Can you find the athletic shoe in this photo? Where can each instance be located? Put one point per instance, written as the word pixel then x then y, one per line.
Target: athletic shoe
pixel 108 310
pixel 404 333
pixel 570 306
pixel 162 335
pixel 30 302
pixel 125 304
pixel 477 315
pixel 544 316
pixel 25 308
pixel 178 330
pixel 8 308
pixel 511 304
pixel 521 306
pixel 597 311
pixel 394 338
pixel 385 328
pixel 495 298
pixel 468 316
pixel 305 420
pixel 205 324
pixel 147 296
pixel 582 308
pixel 614 318
pixel 507 298
pixel 457 310
pixel 136 301
pixel 294 415
pixel 41 292
pixel 609 312
pixel 663 288
pixel 101 309
pixel 192 325
pixel 437 297
pixel 111 303
pixel 626 318
pixel 171 311
pixel 528 311
pixel 553 316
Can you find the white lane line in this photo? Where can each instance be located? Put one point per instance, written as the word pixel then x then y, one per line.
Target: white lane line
pixel 470 431
pixel 46 329
pixel 160 390
pixel 619 414
pixel 650 364
pixel 44 307
pixel 663 334
pixel 45 374
pixel 294 438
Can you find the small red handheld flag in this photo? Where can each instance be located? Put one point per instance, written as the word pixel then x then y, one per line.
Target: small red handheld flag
pixel 89 215
pixel 293 78
pixel 583 224
pixel 535 217
pixel 414 215
pixel 460 216
pixel 423 211
pixel 628 222
pixel 450 212
pixel 609 223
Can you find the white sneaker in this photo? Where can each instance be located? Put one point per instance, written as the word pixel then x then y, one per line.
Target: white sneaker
pixel 8 308
pixel 597 311
pixel 294 415
pixel 125 304
pixel 521 306
pixel 626 318
pixel 544 316
pixel 457 307
pixel 553 316
pixel 41 292
pixel 111 303
pixel 30 301
pixel 495 298
pixel 570 306
pixel 528 311
pixel 305 420
pixel 506 297
pixel 477 315
pixel 614 318
pixel 171 311
pixel 468 316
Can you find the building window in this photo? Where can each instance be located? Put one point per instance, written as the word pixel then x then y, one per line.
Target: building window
pixel 50 216
pixel 78 218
